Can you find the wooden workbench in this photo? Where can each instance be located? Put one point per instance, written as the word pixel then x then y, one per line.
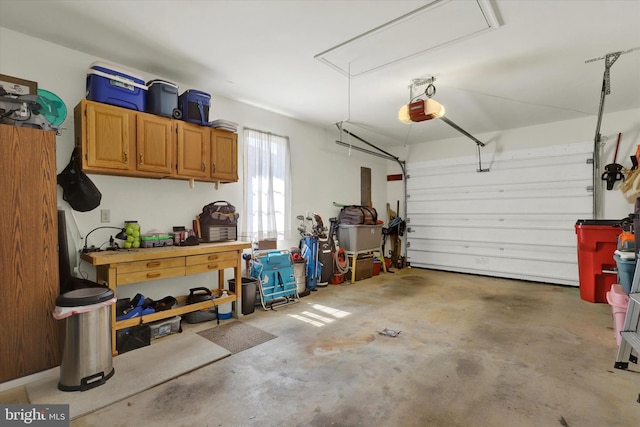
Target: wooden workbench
pixel 128 266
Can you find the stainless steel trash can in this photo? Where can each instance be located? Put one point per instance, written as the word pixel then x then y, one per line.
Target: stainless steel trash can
pixel 87 361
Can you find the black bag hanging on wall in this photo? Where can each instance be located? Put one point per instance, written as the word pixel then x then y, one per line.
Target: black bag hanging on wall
pixel 358 215
pixel 78 190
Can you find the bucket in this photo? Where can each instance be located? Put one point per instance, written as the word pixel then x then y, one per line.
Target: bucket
pixel 376 267
pixel 626 269
pixel 618 300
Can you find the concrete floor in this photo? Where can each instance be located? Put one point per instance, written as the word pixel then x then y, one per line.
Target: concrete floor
pixel 473 351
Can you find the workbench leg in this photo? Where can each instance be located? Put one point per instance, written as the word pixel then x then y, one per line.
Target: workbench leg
pixel 105 275
pixel 384 264
pixel 353 267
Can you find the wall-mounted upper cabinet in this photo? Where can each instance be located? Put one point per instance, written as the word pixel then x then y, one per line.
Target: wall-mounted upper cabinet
pixel 193 147
pixel 118 141
pixel 153 144
pixel 106 136
pixel 224 156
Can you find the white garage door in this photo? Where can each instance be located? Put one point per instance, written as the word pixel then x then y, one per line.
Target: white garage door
pixel 515 221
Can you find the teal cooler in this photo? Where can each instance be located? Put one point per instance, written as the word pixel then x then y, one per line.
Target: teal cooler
pixel 626 269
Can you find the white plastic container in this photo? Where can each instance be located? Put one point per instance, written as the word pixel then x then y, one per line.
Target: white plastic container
pixel 224 309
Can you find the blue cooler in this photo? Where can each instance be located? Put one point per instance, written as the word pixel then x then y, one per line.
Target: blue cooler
pixel 162 99
pixel 194 105
pixel 110 85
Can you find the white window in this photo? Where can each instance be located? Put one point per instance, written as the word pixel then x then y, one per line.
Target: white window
pixel 267 190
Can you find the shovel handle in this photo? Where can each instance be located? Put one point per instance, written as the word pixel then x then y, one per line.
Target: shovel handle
pixel 615 156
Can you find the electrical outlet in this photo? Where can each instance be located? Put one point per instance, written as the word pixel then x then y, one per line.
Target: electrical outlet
pixel 105 215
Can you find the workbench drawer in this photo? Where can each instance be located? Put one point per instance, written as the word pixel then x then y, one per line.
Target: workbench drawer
pixel 142 271
pixel 211 266
pixel 209 258
pixel 143 276
pixel 154 264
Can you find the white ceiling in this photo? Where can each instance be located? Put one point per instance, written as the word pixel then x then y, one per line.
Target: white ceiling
pixel 529 70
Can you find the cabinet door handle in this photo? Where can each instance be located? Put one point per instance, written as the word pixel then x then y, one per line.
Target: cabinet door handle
pixel 141 158
pixel 202 166
pixel 125 157
pixel 153 264
pixel 213 166
pixel 153 274
pixel 212 257
pixel 212 266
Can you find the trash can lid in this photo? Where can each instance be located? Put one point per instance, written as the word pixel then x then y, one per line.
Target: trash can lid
pixel 600 222
pixel 84 296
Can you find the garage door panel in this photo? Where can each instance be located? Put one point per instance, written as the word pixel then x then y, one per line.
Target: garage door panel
pixel 503 250
pixel 515 221
pixel 497 206
pixel 550 237
pixel 516 265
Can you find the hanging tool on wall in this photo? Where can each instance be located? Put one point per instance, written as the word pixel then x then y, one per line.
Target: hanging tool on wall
pixel 613 171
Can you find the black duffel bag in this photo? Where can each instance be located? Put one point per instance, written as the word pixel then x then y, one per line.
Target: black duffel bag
pixel 358 215
pixel 219 213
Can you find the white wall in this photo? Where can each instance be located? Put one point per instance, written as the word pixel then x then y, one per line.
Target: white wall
pixel 322 171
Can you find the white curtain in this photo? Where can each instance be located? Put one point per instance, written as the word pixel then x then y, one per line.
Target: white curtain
pixel 267 191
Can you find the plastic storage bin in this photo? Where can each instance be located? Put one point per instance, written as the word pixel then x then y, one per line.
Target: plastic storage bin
pixel 249 289
pixel 597 243
pixel 116 86
pixel 86 358
pixel 626 269
pixel 194 105
pixel 165 327
pixel 162 99
pixel 618 300
pixel 360 237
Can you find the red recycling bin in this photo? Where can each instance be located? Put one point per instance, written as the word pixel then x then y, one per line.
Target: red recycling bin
pixel 597 242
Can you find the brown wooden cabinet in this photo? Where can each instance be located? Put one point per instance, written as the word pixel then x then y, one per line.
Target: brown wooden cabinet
pixel 106 135
pixel 31 339
pixel 153 144
pixel 224 156
pixel 118 141
pixel 193 145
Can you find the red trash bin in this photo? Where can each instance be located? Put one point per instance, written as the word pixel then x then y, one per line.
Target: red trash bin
pixel 597 242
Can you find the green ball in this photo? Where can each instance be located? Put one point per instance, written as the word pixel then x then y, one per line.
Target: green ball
pixel 127 245
pixel 136 244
